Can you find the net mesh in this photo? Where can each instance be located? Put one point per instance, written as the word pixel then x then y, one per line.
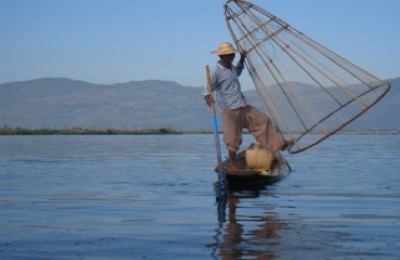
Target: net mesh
pixel 309 91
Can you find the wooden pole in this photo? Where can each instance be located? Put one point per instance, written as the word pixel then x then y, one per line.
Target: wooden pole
pixel 214 123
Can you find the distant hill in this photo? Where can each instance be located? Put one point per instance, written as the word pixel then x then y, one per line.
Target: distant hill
pixel 67 103
pixel 383 116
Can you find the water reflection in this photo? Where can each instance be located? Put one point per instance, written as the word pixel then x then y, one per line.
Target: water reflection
pixel 247 228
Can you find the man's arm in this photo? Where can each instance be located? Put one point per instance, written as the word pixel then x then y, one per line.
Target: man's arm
pixel 240 64
pixel 209 88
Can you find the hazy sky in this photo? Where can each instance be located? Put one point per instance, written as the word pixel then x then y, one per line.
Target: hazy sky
pixel 109 41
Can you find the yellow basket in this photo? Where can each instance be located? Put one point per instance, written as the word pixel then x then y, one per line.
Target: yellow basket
pixel 258 158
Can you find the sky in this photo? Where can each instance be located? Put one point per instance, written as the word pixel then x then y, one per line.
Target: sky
pixel 116 41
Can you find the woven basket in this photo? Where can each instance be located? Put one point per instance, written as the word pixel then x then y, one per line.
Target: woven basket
pixel 258 158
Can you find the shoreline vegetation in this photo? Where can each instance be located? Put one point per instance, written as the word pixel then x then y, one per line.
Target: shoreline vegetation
pixel 149 131
pixel 89 131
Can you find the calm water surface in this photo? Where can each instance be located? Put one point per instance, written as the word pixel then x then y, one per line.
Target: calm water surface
pixel 153 197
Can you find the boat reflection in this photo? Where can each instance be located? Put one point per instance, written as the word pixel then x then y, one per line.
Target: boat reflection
pixel 246 229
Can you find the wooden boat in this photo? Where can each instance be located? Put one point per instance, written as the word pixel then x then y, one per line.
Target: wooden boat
pixel 280 168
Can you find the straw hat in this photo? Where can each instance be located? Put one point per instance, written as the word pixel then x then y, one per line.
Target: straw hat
pixel 224 49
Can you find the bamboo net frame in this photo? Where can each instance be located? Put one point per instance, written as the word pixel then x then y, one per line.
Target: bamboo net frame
pixel 309 91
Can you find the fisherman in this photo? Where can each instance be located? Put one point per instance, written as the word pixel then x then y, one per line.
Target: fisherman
pixel 236 112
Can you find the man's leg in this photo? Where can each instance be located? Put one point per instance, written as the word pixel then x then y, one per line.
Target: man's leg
pixel 232 164
pixel 233 125
pixel 264 130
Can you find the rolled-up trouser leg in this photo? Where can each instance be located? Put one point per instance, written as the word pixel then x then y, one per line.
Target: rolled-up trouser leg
pixel 233 126
pixel 263 129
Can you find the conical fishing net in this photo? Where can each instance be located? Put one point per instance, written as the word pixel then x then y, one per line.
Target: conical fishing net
pixel 309 91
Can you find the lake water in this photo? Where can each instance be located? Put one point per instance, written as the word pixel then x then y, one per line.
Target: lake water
pixel 153 197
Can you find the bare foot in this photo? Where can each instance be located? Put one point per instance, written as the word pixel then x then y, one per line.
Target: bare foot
pixel 234 168
pixel 287 144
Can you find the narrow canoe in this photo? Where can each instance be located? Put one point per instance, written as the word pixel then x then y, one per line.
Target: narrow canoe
pixel 280 168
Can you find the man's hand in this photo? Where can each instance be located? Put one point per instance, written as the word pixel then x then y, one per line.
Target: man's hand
pixel 243 54
pixel 209 100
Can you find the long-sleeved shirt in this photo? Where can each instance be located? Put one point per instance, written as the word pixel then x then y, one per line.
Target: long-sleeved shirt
pixel 226 86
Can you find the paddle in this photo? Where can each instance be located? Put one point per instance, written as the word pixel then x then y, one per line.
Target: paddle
pixel 214 123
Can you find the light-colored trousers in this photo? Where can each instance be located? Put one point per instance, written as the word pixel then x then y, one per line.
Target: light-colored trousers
pixel 258 124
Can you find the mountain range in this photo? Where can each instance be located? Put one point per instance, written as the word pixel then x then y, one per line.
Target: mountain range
pixel 65 103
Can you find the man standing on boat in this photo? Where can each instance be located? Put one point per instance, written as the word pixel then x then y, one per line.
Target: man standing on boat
pixel 236 112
